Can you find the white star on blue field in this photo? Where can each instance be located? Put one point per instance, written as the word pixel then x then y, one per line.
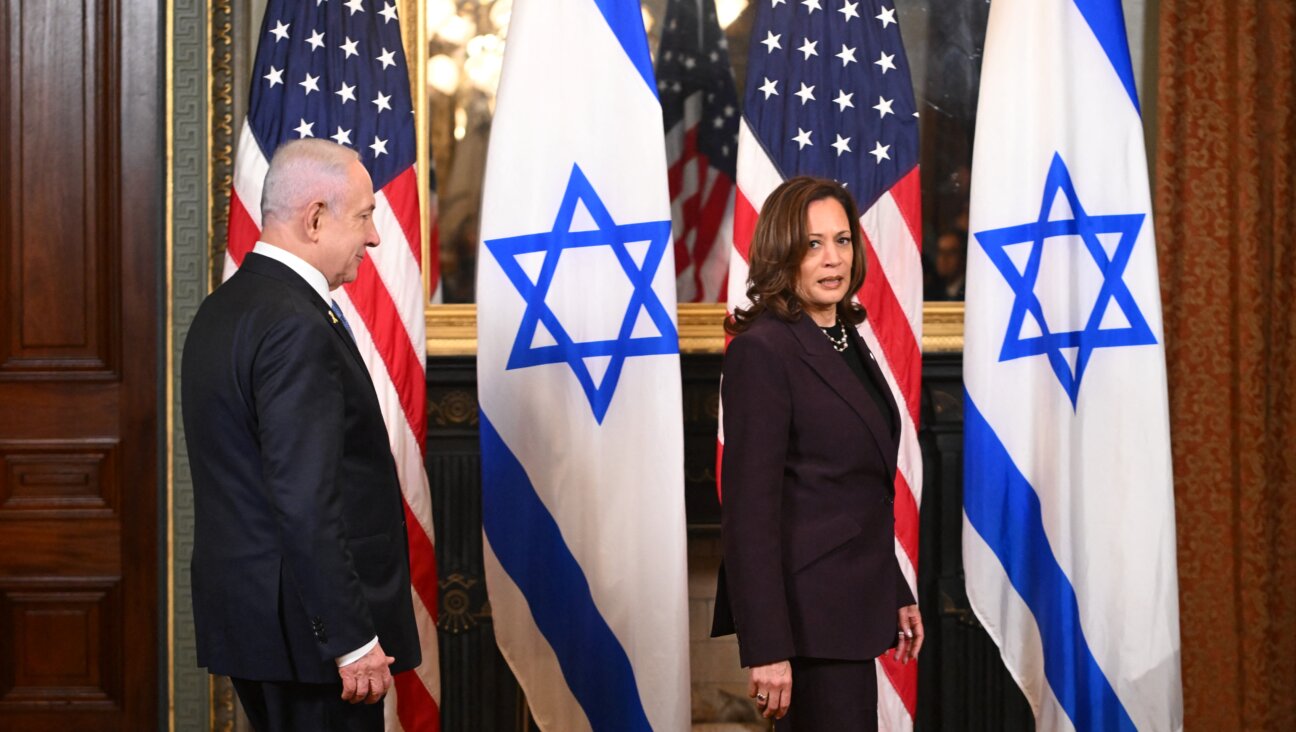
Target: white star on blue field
pixel 643 298
pixel 1113 289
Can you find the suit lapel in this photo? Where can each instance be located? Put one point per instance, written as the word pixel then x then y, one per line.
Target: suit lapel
pixel 832 369
pixel 268 267
pixel 875 372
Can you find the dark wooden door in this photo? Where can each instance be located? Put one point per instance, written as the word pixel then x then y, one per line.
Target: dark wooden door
pixel 80 255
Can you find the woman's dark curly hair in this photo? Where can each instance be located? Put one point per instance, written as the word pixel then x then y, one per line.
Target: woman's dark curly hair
pixel 780 243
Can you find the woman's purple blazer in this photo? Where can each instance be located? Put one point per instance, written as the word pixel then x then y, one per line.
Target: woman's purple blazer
pixel 807 483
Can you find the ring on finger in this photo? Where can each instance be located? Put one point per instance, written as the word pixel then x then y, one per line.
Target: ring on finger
pixel 762 698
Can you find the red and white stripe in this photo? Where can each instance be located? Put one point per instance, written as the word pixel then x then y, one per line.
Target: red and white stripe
pixel 702 202
pixel 384 307
pixel 892 295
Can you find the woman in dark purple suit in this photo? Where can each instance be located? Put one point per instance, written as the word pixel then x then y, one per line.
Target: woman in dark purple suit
pixel 810 581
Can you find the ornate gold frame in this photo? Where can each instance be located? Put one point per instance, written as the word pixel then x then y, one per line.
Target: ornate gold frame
pixel 452 329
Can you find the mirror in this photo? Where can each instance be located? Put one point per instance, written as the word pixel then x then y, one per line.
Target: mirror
pixel 462 50
pixel 455 49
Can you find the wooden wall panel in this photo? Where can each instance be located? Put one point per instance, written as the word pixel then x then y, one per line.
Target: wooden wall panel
pixel 63 479
pixel 63 652
pixel 81 199
pixel 59 234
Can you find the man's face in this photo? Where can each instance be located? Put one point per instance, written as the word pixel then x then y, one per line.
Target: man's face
pixel 347 229
pixel 949 256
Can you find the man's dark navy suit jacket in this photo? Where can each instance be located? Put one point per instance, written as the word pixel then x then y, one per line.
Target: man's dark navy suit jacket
pixel 299 540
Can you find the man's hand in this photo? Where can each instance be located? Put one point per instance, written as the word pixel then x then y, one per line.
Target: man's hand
pixel 911 634
pixel 771 686
pixel 367 678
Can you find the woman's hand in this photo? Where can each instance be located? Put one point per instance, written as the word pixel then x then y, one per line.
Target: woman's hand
pixel 771 686
pixel 911 634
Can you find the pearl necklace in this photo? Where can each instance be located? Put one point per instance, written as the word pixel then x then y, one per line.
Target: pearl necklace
pixel 839 344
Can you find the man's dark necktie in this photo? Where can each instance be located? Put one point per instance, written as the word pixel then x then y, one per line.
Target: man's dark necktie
pixel 337 310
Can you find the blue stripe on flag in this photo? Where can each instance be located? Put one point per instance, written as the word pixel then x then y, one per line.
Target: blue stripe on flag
pixel 1108 24
pixel 530 547
pixel 1005 510
pixel 626 21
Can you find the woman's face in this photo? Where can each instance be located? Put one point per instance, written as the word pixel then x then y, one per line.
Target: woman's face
pixel 826 267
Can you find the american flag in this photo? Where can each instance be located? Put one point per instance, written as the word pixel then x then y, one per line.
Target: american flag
pixel 336 70
pixel 828 94
pixel 700 112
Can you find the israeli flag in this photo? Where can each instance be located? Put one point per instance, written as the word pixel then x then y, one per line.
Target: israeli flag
pixel 1069 533
pixel 579 376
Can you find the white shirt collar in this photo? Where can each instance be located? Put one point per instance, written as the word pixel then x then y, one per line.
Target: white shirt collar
pixel 313 277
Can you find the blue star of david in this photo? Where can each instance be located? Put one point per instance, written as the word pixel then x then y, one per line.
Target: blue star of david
pixel 1113 290
pixel 643 298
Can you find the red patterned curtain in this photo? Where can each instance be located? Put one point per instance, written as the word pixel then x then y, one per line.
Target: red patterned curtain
pixel 1225 196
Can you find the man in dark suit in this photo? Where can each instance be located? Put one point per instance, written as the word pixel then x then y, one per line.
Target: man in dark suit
pixel 301 587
